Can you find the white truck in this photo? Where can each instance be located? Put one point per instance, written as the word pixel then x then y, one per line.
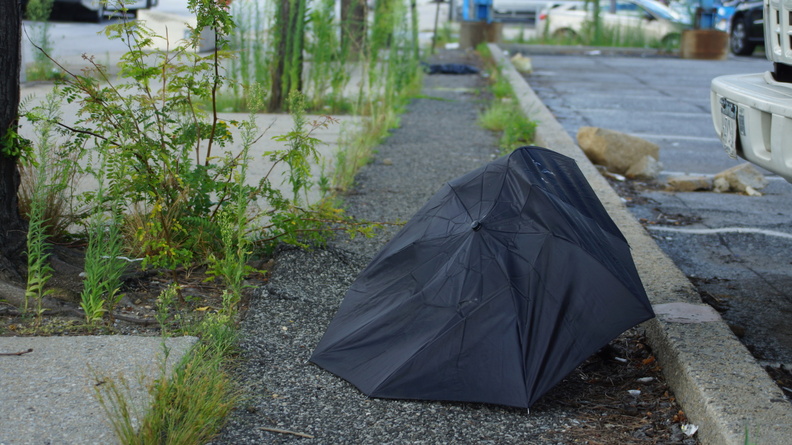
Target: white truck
pixel 752 113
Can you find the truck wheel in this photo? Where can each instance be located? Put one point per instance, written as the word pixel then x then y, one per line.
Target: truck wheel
pixel 100 13
pixel 566 35
pixel 738 39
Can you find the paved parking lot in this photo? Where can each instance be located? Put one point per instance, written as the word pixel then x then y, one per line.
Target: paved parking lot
pixel 733 247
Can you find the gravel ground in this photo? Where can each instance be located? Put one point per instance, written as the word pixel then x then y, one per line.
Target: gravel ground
pixel 437 141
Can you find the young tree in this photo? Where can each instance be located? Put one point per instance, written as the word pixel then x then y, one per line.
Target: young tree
pixel 353 26
pixel 12 226
pixel 289 44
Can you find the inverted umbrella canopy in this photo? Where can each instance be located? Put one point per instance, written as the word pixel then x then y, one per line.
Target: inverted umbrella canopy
pixel 503 283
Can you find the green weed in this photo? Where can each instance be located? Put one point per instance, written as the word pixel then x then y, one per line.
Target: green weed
pixel 103 267
pixel 504 114
pixel 506 117
pixel 189 405
pixel 43 68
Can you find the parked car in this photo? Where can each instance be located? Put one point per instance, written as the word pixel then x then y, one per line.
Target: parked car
pixel 725 14
pixel 723 11
pixel 752 113
pixel 96 10
pixel 746 27
pixel 650 18
pixel 504 10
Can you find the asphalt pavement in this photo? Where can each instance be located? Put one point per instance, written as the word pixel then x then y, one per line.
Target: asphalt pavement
pixel 733 246
pixel 721 386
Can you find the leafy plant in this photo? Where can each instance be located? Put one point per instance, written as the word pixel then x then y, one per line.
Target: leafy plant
pixel 103 269
pixel 506 117
pixel 504 114
pixel 41 185
pixel 38 13
pixel 165 302
pixel 39 270
pixel 48 168
pixel 103 263
pixel 160 144
pixel 232 265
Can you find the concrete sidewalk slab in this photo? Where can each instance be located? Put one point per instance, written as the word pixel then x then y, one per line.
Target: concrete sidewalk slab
pixel 722 388
pixel 48 395
pixel 270 125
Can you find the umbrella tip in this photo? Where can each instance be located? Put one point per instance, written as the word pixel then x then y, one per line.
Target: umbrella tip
pixel 476 225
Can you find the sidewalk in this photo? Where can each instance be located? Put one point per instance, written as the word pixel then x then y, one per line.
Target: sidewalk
pixel 53 384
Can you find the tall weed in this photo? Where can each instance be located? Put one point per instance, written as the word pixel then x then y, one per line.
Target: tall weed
pixel 38 268
pixel 103 263
pixel 189 405
pixel 52 171
pixel 38 13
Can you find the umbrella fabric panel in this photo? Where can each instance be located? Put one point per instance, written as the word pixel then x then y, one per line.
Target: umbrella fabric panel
pixel 391 309
pixel 554 215
pixel 560 176
pixel 476 360
pixel 568 317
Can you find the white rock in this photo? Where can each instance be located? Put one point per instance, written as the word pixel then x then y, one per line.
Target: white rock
pixel 522 63
pixel 720 185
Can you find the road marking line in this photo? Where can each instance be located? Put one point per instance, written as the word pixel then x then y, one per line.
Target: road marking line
pixel 769 177
pixel 721 230
pixel 680 137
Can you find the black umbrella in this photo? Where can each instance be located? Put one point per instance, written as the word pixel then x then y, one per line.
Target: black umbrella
pixel 505 281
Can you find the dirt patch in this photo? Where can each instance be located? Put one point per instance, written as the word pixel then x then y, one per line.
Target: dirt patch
pixel 783 377
pixel 621 397
pixel 135 314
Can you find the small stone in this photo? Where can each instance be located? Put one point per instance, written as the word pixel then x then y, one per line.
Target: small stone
pixel 387 161
pixel 742 176
pixel 646 168
pixel 720 185
pixel 689 183
pixel 522 63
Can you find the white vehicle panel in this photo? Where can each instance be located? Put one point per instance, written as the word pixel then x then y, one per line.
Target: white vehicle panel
pixel 764 118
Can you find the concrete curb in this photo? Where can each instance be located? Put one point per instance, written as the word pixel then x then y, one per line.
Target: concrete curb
pixel 556 50
pixel 722 388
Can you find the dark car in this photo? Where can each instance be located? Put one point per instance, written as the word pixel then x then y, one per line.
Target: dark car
pixel 747 27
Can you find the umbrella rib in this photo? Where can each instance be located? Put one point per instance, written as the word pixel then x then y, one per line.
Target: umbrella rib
pixel 461 201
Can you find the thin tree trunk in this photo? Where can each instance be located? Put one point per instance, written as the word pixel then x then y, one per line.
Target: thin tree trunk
pixel 276 98
pixel 12 227
pixel 353 27
pixel 288 66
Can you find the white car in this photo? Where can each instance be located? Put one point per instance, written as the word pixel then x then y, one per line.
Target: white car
pixel 752 113
pixel 518 10
pixel 97 9
pixel 651 19
pixel 505 10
